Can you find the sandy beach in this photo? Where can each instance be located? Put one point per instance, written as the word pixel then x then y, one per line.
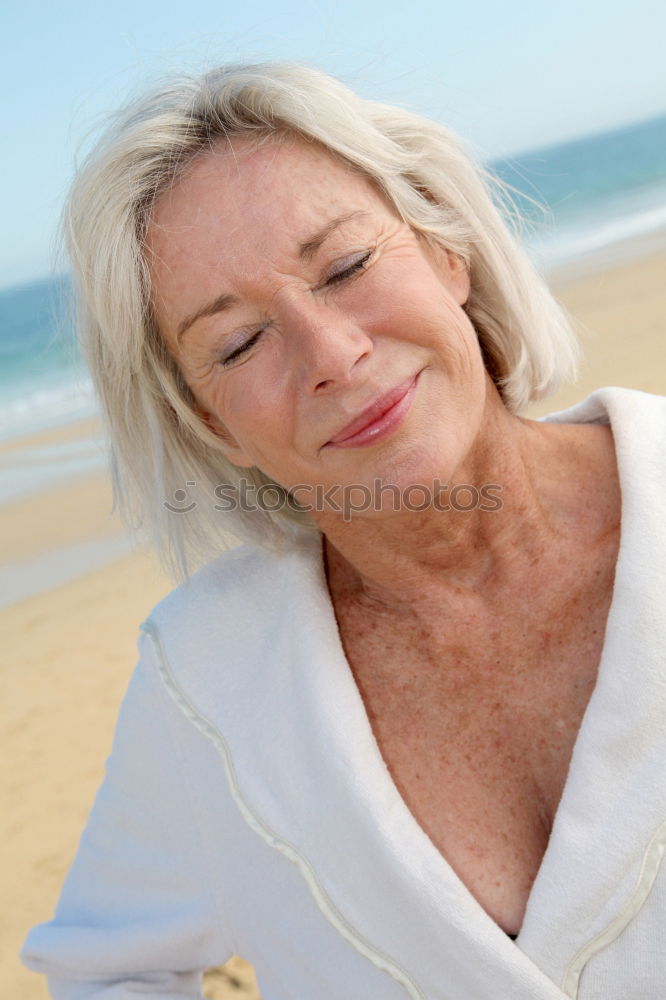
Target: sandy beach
pixel 68 652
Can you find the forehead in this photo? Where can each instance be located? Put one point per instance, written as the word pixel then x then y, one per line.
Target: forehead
pixel 239 195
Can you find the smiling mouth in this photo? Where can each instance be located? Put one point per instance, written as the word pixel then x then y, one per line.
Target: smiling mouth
pixel 379 419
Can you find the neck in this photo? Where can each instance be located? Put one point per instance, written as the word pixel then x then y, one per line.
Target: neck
pixel 533 482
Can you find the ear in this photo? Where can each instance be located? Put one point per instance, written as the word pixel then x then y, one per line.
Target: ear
pixel 231 448
pixel 459 277
pixel 452 270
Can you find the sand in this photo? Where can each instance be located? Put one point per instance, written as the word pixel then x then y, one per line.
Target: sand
pixel 67 654
pixel 619 313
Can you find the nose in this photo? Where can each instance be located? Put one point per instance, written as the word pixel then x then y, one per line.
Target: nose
pixel 327 346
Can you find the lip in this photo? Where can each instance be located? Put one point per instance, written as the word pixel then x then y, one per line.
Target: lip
pixel 379 419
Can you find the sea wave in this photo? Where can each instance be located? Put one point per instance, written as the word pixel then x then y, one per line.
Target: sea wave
pixel 581 237
pixel 30 406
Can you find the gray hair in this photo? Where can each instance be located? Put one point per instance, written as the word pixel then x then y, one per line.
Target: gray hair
pixel 159 443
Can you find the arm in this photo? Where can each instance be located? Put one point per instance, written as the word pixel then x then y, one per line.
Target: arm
pixel 139 911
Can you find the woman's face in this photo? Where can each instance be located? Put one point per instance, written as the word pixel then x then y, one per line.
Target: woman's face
pixel 323 340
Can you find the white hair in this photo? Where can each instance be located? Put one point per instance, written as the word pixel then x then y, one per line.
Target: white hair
pixel 159 443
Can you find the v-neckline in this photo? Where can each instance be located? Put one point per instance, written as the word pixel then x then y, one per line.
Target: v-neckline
pixel 408 820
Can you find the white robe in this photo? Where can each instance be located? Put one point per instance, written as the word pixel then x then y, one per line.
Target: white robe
pixel 247 807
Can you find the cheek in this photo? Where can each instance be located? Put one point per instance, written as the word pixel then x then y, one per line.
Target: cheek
pixel 382 304
pixel 250 405
pixel 410 302
pixel 428 319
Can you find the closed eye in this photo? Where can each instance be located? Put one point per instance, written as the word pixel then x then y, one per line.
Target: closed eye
pixel 349 268
pixel 240 351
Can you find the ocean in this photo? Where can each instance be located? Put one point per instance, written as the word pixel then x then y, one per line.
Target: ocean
pixel 43 385
pixel 598 191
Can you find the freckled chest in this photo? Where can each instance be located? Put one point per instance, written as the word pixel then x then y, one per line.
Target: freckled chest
pixel 476 719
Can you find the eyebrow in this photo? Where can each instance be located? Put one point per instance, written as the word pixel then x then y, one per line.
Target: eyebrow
pixel 218 305
pixel 306 251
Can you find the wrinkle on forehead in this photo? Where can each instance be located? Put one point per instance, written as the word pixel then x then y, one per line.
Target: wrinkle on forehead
pixel 240 148
pixel 217 210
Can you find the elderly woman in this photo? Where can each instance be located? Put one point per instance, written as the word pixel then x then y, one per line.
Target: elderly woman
pixel 408 739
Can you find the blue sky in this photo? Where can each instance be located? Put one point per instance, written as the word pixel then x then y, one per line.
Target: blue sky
pixel 507 76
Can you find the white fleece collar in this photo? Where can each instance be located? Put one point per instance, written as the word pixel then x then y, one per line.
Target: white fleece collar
pixel 263 670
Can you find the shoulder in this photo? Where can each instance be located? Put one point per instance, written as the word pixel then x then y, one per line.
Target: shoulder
pixel 637 421
pixel 226 619
pixel 224 578
pixel 619 407
pixel 235 582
